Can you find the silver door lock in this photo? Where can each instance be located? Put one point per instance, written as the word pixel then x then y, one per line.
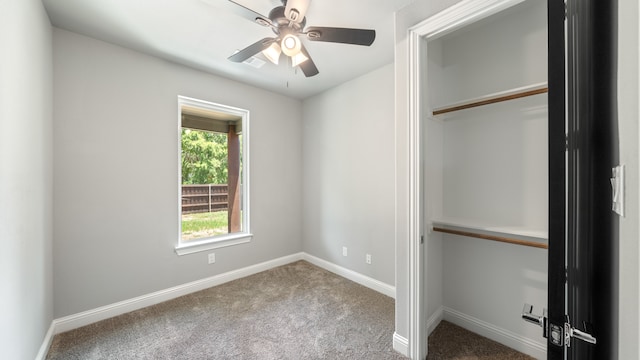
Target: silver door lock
pixel 560 335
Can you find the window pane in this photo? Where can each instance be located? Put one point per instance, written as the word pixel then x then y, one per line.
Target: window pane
pixel 209 160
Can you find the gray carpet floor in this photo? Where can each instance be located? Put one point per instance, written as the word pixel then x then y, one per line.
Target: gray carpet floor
pixel 451 342
pixel 296 311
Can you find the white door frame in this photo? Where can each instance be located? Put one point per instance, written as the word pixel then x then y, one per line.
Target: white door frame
pixel 462 14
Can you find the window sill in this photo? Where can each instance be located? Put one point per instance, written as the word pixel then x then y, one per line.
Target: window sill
pixel 213 243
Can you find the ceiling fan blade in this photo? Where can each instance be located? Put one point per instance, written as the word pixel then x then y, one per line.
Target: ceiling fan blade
pixel 296 9
pixel 308 67
pixel 251 15
pixel 341 35
pixel 251 50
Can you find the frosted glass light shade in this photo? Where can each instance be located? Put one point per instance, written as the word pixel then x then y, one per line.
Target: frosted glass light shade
pixel 273 53
pixel 298 59
pixel 291 45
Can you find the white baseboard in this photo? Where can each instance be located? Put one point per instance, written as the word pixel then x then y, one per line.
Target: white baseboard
pixel 46 343
pixel 104 312
pixel 400 344
pixel 435 319
pixel 503 336
pixel 363 280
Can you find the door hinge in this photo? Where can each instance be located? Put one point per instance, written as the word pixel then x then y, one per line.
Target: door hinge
pixel 421 239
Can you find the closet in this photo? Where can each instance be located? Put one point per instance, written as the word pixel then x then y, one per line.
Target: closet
pixel 485 153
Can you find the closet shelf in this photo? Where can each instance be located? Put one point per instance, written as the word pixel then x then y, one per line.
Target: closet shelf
pixel 511 235
pixel 512 94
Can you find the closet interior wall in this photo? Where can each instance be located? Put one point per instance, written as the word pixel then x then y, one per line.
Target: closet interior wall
pixel 488 165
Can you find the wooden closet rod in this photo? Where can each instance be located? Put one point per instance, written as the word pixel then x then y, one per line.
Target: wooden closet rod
pixel 492 237
pixel 491 100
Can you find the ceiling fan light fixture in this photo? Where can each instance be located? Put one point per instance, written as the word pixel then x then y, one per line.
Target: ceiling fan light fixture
pixel 273 53
pixel 298 59
pixel 291 45
pixel 288 22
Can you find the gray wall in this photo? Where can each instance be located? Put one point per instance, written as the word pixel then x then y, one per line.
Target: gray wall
pixel 116 173
pixel 348 175
pixel 26 297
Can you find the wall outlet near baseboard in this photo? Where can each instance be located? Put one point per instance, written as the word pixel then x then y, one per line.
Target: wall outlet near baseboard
pixel 212 258
pixel 368 259
pixel 344 251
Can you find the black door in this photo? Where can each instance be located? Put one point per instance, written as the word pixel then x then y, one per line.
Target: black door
pixel 583 150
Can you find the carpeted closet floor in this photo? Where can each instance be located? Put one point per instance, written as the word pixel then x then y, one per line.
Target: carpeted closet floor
pixel 451 342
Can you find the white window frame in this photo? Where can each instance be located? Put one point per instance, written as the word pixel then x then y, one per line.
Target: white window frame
pixel 218 241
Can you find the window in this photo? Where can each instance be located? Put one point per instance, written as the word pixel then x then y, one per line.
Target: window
pixel 213 176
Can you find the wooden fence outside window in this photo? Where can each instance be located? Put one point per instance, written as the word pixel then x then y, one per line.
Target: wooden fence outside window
pixel 204 198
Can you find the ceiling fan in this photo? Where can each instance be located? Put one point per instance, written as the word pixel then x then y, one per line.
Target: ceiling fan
pixel 288 23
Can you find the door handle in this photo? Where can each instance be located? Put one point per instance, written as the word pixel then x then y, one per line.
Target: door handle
pixel 540 320
pixel 583 336
pixel 570 332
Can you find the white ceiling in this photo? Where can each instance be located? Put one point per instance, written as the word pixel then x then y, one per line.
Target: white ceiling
pixel 203 33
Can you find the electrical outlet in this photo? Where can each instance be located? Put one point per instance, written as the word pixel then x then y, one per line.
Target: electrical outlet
pixel 368 259
pixel 344 251
pixel 212 258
